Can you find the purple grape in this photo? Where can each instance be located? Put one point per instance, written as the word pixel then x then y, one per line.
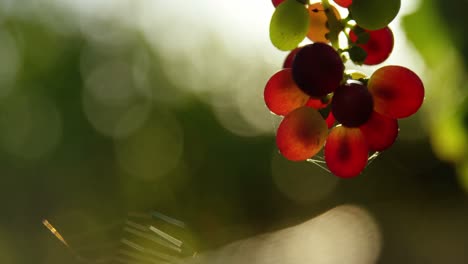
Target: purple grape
pixel 317 69
pixel 352 104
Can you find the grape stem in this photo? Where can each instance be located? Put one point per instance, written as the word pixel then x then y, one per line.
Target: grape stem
pixel 347 35
pixel 345 20
pixel 334 24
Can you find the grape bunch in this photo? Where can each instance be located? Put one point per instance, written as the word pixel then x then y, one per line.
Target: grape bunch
pixel 325 107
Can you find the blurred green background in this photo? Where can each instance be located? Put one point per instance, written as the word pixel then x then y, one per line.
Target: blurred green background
pixel 117 106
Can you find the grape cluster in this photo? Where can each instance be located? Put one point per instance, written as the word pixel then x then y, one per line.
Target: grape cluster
pixel 325 106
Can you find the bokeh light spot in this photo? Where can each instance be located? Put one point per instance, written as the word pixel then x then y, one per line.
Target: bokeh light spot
pixel 30 126
pixel 463 175
pixel 7 253
pixel 154 150
pixel 301 182
pixel 449 139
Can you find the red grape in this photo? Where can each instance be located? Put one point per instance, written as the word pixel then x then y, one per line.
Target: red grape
pixel 289 59
pixel 277 2
pixel 380 132
pixel 378 47
pixel 330 120
pixel 282 95
pixel 318 22
pixel 344 3
pixel 317 103
pixel 317 69
pixel 301 134
pixel 397 91
pixel 352 104
pixel 346 152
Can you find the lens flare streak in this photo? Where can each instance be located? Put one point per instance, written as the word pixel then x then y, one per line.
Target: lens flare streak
pixel 166 236
pixel 54 231
pixel 168 219
pixel 152 238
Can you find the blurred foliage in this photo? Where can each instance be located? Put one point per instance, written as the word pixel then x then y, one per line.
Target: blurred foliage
pixel 99 118
pixel 447 59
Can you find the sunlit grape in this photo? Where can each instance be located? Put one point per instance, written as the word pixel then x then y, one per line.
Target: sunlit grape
pixel 352 104
pixel 282 94
pixel 318 22
pixel 378 46
pixel 317 69
pixel 301 134
pixel 289 25
pixel 397 91
pixel 346 152
pixel 380 132
pixel 344 3
pixel 289 59
pixel 372 14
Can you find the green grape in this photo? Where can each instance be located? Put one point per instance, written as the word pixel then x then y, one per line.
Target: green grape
pixel 289 25
pixel 374 14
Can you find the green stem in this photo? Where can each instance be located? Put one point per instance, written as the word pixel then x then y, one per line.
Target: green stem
pixel 345 20
pixel 347 35
pixel 334 24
